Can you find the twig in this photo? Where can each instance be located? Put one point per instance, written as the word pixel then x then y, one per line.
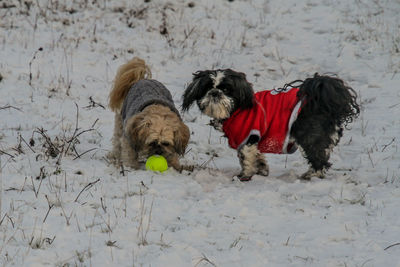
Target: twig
pixel 9 106
pixel 148 222
pixel 187 151
pixel 33 186
pixel 206 260
pixel 20 136
pixel 1 221
pixel 76 129
pixel 94 123
pixel 287 241
pixel 48 211
pixel 86 187
pixel 9 218
pixel 122 170
pixel 396 244
pixel 93 104
pixel 68 219
pixel 79 155
pixel 84 131
pixel 385 146
pixel 54 151
pixel 102 205
pixel 207 161
pixel 369 155
pixel 3 152
pixel 30 65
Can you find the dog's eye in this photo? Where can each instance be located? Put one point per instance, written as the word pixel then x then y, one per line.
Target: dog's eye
pixel 165 143
pixel 223 87
pixel 152 144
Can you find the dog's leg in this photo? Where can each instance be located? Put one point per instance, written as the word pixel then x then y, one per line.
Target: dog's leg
pixel 316 146
pixel 252 162
pixel 173 161
pixel 217 124
pixel 115 155
pixel 262 166
pixel 129 156
pixel 318 159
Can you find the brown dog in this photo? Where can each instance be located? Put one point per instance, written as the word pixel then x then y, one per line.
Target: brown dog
pixel 146 120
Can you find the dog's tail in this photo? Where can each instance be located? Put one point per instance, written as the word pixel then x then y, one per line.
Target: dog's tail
pixel 329 96
pixel 128 74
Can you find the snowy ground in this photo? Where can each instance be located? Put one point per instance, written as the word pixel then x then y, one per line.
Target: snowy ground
pixel 66 206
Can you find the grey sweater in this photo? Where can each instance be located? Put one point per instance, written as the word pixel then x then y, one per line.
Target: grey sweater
pixel 144 93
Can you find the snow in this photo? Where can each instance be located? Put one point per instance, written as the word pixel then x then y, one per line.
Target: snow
pixel 56 55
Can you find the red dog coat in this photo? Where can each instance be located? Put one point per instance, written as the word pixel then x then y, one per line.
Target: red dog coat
pixel 270 119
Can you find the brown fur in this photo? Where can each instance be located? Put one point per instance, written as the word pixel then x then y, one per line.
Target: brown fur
pixel 128 74
pixel 155 130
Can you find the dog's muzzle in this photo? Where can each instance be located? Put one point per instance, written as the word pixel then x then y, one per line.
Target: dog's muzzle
pixel 215 95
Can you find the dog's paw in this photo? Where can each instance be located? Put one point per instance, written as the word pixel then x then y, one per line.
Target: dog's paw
pixel 312 173
pixel 263 172
pixel 113 159
pixel 217 124
pixel 244 178
pixel 305 176
pixel 263 168
pixel 188 168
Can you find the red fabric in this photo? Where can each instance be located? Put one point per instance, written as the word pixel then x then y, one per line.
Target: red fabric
pixel 269 119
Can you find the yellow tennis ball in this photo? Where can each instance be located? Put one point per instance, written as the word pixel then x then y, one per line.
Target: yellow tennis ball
pixel 156 163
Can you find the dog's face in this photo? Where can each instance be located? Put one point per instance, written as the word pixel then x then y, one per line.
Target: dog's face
pixel 157 131
pixel 218 93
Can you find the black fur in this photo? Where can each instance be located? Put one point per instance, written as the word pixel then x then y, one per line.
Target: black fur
pixel 329 106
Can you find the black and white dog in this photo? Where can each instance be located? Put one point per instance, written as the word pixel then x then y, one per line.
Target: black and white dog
pixel 310 114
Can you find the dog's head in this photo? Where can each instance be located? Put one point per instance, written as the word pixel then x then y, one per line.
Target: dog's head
pixel 218 93
pixel 157 131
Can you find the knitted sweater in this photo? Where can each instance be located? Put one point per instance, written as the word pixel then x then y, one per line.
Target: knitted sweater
pixel 270 120
pixel 144 93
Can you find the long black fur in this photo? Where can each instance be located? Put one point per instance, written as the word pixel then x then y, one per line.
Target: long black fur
pixel 329 106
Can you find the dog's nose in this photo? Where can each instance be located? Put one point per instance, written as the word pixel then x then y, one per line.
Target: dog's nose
pixel 156 148
pixel 215 93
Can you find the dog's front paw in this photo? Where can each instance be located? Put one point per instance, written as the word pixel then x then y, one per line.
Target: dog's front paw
pixel 263 172
pixel 188 168
pixel 263 168
pixel 244 178
pixel 113 159
pixel 217 124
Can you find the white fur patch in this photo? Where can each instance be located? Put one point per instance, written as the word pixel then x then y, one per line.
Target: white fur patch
pixel 217 78
pixel 292 119
pixel 217 110
pixel 335 140
pixel 335 136
pixel 313 173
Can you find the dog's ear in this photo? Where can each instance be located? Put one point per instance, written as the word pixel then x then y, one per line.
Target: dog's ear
pixel 197 88
pixel 136 130
pixel 181 138
pixel 242 89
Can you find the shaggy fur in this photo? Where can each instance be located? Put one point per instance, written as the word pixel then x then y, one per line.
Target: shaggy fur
pixel 328 106
pixel 155 130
